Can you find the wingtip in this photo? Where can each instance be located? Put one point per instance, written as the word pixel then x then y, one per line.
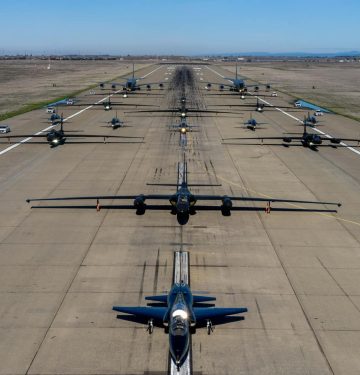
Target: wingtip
pixel 28 200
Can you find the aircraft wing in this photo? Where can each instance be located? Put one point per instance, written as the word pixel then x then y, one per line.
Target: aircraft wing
pixel 97 136
pixel 157 313
pixel 220 84
pixel 95 197
pixel 67 136
pixel 261 138
pixel 161 298
pixel 198 299
pixel 341 139
pixel 179 110
pixel 203 313
pixel 112 104
pixel 151 83
pixel 258 199
pixel 23 136
pixel 251 105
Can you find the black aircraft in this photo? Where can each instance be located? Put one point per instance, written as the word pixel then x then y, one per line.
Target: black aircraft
pixel 311 120
pixel 58 137
pixel 183 111
pixel 310 140
pixel 182 202
pixel 55 118
pixel 115 122
pixel 180 313
pixel 107 104
pixel 183 127
pixel 252 124
pixel 258 106
pixel 237 85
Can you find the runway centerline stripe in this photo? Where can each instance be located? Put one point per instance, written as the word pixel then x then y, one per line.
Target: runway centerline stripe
pixel 67 118
pixel 295 118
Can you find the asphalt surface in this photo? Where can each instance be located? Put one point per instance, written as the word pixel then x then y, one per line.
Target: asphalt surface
pixel 62 270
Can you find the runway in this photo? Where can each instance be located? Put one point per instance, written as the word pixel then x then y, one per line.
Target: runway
pixel 62 270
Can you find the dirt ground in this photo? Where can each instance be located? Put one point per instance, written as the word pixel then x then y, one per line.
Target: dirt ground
pixel 24 82
pixel 336 85
pixel 331 85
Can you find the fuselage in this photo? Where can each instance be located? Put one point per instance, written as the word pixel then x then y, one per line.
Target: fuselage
pixel 55 137
pixel 180 318
pixel 239 85
pixel 183 200
pixel 311 140
pixel 130 84
pixel 251 124
pixel 115 122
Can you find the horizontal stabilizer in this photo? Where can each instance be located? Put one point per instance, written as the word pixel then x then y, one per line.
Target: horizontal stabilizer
pixel 203 299
pixel 162 298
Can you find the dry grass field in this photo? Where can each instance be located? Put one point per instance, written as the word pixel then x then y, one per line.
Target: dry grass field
pixel 336 84
pixel 25 82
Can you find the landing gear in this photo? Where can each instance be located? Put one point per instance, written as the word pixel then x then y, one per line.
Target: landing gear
pixel 150 327
pixel 209 327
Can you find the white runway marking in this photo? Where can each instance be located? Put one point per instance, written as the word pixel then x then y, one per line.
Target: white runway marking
pixel 67 118
pixel 297 119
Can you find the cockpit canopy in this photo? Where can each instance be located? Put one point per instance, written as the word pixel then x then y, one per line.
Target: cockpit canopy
pixel 178 324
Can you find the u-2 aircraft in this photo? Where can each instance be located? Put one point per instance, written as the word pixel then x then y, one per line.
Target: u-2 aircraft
pixel 56 137
pixel 183 201
pixel 107 104
pixel 309 140
pixel 180 312
pixel 182 110
pixel 258 106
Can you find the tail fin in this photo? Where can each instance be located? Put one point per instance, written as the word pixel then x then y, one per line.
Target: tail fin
pixel 236 73
pixel 133 71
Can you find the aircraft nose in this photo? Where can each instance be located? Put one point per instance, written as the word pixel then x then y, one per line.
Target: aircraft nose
pixel 178 349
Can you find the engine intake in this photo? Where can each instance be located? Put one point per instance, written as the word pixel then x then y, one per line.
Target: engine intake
pixel 335 141
pixel 139 204
pixel 226 206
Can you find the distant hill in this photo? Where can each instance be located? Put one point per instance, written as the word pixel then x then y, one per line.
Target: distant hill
pixel 291 54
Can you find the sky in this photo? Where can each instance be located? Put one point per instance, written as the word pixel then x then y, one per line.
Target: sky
pixel 179 27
